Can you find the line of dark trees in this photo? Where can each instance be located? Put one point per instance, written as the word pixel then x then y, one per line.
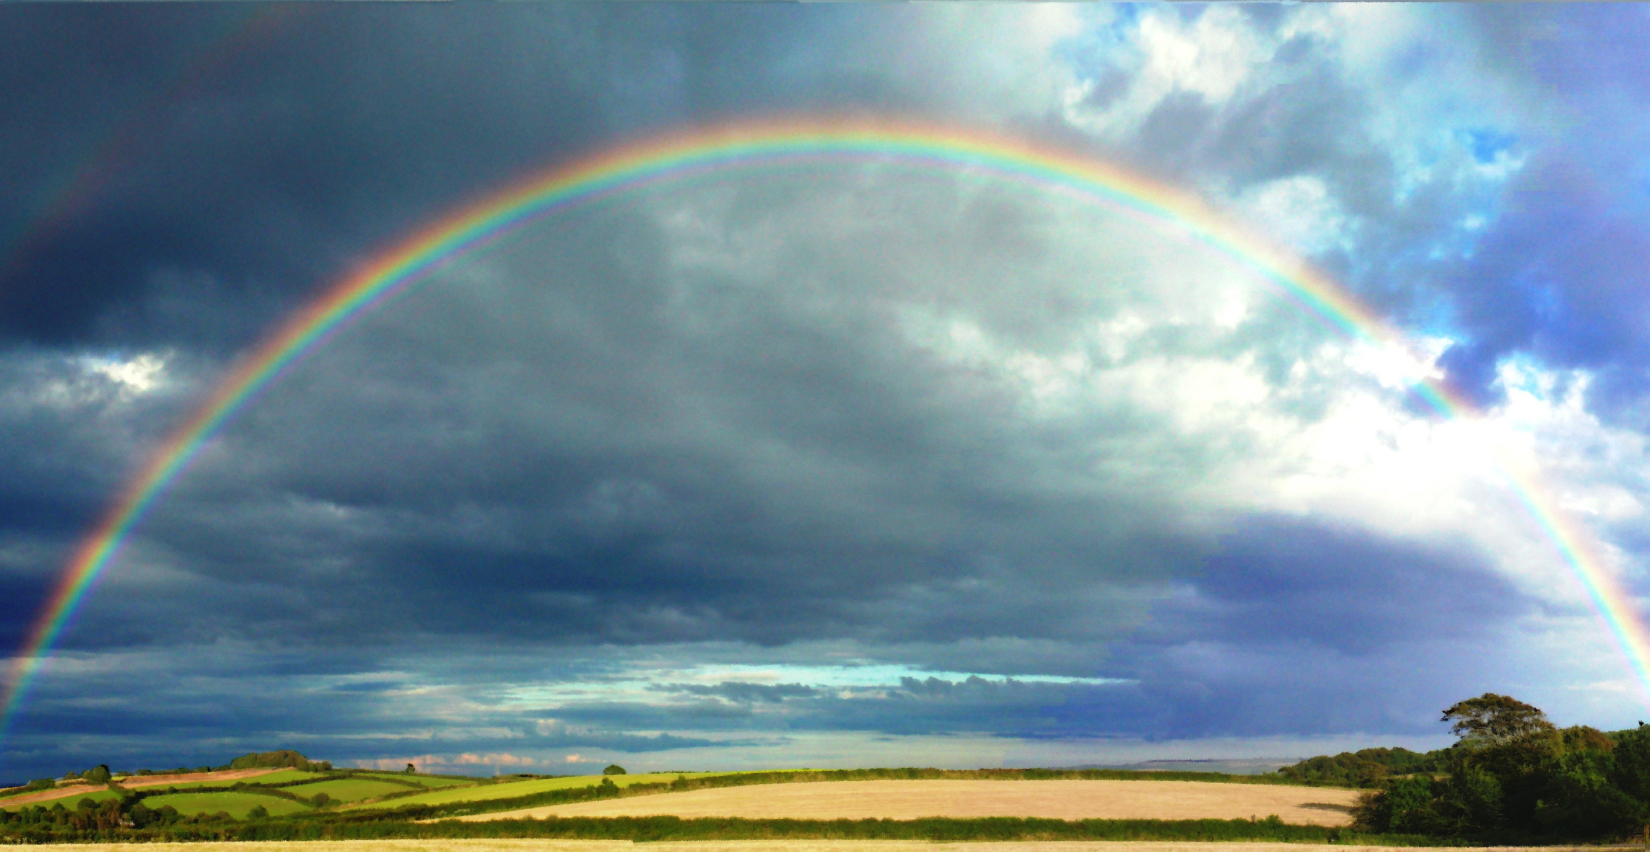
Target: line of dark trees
pixel 1513 777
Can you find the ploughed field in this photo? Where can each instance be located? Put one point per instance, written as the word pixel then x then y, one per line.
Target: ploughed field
pixel 1065 799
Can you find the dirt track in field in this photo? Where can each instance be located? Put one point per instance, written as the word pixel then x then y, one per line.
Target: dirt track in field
pixel 964 799
pixel 728 846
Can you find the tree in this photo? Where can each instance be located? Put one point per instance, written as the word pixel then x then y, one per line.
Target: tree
pixel 271 759
pixel 1492 719
pixel 613 769
pixel 411 769
pixel 98 774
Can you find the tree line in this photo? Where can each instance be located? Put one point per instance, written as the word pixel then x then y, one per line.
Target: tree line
pixel 1512 777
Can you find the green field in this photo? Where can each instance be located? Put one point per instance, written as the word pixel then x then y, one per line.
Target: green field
pixel 432 781
pixel 512 789
pixel 235 804
pixel 285 776
pixel 69 801
pixel 350 789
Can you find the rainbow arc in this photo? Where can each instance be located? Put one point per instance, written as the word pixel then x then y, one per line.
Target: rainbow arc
pixel 682 156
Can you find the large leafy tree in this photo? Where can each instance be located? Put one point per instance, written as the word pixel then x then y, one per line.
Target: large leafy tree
pixel 1494 720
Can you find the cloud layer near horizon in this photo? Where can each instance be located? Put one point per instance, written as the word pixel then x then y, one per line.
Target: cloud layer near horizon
pixel 821 466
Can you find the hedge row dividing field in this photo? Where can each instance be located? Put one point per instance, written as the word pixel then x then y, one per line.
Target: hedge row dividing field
pixel 664 828
pixel 280 793
pixel 509 794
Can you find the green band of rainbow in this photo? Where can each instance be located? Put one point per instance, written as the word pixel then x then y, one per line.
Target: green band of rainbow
pixel 677 157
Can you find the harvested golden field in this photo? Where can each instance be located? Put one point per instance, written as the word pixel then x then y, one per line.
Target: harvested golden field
pixel 720 846
pixel 964 799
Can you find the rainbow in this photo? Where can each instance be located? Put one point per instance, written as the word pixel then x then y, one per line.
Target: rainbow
pixel 702 152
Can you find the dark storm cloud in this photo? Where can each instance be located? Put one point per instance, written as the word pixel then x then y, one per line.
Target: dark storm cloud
pixel 687 428
pixel 578 469
pixel 1280 580
pixel 244 158
pixel 910 706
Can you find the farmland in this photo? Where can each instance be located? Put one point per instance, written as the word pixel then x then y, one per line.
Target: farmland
pixel 524 845
pixel 236 804
pixel 515 789
pixel 73 795
pixel 351 789
pixel 431 781
pixel 905 800
pixel 268 779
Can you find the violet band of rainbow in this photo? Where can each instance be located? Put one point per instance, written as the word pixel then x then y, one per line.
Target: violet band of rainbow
pixel 742 146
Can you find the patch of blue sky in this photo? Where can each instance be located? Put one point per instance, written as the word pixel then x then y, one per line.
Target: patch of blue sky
pixel 1487 144
pixel 867 675
pixel 643 684
pixel 1106 47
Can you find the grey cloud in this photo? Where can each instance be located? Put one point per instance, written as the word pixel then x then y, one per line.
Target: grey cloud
pixel 689 426
pixel 741 692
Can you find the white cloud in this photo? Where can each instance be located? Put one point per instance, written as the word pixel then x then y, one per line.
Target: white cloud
pixel 138 374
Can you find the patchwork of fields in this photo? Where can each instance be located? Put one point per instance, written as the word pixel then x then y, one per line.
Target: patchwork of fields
pixel 513 789
pixel 278 791
pixel 962 803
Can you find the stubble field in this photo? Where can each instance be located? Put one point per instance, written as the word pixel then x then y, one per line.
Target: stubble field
pixel 725 846
pixel 1067 800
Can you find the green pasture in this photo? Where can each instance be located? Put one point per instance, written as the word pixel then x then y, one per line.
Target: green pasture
pixel 349 789
pixel 285 776
pixel 234 803
pixel 434 782
pixel 512 789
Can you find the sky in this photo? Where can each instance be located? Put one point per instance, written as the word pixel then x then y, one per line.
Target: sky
pixel 839 464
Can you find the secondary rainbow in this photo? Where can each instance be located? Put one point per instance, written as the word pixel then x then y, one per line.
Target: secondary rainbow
pixel 704 152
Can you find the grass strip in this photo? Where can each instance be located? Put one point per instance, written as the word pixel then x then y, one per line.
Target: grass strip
pixel 661 828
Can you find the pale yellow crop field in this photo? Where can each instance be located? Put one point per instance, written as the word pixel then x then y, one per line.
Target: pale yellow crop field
pixel 731 846
pixel 966 799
